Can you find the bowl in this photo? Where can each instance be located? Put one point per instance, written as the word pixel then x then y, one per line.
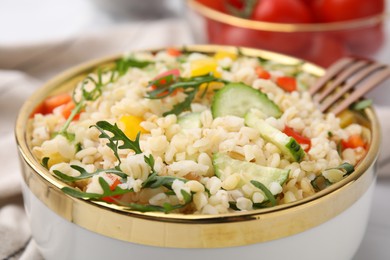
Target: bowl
pixel 328 225
pixel 321 43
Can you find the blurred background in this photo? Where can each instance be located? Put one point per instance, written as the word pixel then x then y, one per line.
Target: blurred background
pixel 31 22
pixel 320 31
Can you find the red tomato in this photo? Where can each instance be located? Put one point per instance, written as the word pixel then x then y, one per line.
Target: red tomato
pixel 325 49
pixel 162 80
pixel 284 42
pixel 225 34
pixel 342 10
pixel 282 11
pixel 175 72
pixel 298 137
pixel 239 4
pixel 364 41
pixel 218 5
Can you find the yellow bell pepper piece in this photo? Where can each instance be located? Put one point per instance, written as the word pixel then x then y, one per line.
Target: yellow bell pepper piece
pixel 220 55
pixel 204 66
pixel 55 158
pixel 131 126
pixel 211 87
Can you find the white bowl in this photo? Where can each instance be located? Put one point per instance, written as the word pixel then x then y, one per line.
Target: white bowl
pixel 327 225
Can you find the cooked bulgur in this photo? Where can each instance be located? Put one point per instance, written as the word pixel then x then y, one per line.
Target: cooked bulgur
pixel 183 140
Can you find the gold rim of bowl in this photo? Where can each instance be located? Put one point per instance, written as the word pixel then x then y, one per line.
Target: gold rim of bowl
pixel 285 27
pixel 189 231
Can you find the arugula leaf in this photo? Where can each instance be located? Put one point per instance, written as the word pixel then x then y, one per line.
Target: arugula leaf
pixel 183 106
pixel 123 65
pixel 84 174
pixel 107 192
pixel 88 94
pixel 80 194
pixel 155 181
pixel 190 87
pixel 166 208
pixel 118 135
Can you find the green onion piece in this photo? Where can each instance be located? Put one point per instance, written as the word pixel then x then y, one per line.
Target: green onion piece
pixel 266 191
pixel 360 105
pixel 320 182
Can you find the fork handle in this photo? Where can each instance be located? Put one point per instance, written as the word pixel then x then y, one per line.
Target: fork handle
pixel 358 93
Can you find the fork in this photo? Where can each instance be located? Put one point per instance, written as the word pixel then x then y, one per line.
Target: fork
pixel 346 81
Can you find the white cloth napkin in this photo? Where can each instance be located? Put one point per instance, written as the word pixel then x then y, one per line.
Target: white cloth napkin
pixel 25 68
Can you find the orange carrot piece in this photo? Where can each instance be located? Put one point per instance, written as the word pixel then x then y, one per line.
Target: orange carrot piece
pixel 262 73
pixel 287 83
pixel 67 110
pixel 353 142
pixel 55 101
pixel 39 109
pixel 174 52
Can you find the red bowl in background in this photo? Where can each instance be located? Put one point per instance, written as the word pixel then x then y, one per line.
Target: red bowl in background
pixel 321 43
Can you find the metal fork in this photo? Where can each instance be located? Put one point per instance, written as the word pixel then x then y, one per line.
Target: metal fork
pixel 346 81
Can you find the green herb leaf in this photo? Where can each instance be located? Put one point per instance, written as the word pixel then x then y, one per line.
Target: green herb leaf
pixel 183 106
pixel 45 161
pixel 123 65
pixel 320 182
pixel 78 147
pixel 266 191
pixel 186 196
pixel 155 181
pixel 118 135
pixel 166 208
pixel 346 167
pixel 233 205
pixel 79 194
pixel 107 192
pixel 361 104
pixel 84 174
pixel 190 87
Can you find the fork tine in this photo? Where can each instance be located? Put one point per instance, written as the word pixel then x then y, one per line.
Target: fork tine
pixel 331 72
pixel 341 78
pixel 349 84
pixel 373 81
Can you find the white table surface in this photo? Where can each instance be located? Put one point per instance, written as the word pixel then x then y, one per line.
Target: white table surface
pixel 376 243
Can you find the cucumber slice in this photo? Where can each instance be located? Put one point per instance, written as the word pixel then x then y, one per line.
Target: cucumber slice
pixel 236 99
pixel 225 165
pixel 189 121
pixel 288 145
